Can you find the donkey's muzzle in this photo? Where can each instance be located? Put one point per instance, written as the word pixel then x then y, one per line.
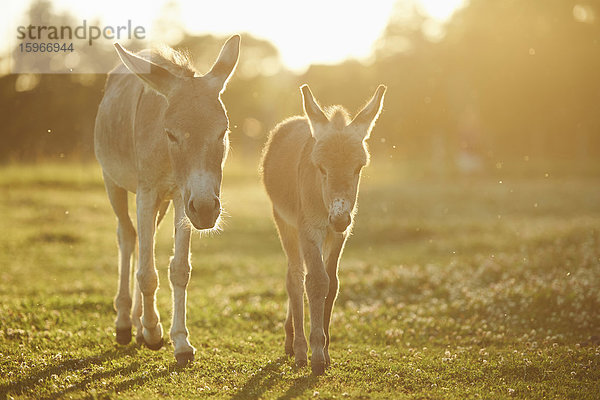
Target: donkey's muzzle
pixel 203 213
pixel 339 223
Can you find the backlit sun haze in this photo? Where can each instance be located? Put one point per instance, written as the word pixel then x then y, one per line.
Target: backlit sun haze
pixel 308 32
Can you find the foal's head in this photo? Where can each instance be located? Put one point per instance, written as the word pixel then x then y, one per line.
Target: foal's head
pixel 340 152
pixel 195 127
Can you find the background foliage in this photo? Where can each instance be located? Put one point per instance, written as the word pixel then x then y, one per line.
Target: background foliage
pixel 504 82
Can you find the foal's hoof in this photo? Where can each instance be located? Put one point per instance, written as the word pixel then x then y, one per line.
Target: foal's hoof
pixel 184 359
pixel 155 346
pixel 123 336
pixel 318 368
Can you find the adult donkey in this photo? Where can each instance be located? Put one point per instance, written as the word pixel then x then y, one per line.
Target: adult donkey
pixel 311 170
pixel 162 134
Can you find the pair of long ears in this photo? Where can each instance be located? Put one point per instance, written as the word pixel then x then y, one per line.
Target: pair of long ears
pixel 163 81
pixel 363 122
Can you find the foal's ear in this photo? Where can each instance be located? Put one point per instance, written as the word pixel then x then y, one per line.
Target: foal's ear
pixel 312 109
pixel 220 73
pixel 368 115
pixel 156 77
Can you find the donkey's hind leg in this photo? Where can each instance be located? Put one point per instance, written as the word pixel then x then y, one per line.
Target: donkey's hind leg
pixel 295 341
pixel 126 237
pixel 164 207
pixel 136 313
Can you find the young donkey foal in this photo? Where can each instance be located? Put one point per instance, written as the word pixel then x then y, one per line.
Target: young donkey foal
pixel 162 134
pixel 311 171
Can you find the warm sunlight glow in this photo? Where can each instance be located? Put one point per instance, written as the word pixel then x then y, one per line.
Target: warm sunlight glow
pixel 440 10
pixel 312 31
pixel 307 32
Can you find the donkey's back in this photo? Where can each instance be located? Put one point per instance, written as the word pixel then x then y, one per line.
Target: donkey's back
pixel 282 156
pixel 114 133
pixel 115 122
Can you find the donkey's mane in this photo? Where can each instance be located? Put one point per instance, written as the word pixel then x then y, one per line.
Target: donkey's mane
pixel 338 116
pixel 178 62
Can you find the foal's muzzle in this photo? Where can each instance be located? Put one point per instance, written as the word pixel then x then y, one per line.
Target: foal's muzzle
pixel 203 212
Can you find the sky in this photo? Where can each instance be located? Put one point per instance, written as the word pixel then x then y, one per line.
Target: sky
pixel 306 32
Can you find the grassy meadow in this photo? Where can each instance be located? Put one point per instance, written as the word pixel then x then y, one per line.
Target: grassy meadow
pixel 482 287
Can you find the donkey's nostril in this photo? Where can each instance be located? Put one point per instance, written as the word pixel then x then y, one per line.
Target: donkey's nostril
pixel 204 208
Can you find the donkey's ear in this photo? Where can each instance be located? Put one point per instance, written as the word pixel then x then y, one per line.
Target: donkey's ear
pixel 220 73
pixel 156 77
pixel 311 108
pixel 368 115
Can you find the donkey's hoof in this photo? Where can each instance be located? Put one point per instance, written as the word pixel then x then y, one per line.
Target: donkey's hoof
pixel 123 336
pixel 301 363
pixel 318 368
pixel 184 359
pixel 155 346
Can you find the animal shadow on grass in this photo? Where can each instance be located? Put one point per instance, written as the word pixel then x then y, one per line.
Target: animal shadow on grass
pixel 29 382
pixel 268 376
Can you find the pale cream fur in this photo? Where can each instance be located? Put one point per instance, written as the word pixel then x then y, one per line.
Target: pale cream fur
pixel 311 170
pixel 161 133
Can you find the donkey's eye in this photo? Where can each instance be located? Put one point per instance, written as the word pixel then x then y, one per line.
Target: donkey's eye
pixel 171 137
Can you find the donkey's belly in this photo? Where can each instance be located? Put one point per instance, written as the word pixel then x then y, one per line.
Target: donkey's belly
pixel 121 174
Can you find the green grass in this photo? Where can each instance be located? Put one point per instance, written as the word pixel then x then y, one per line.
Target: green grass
pixel 453 290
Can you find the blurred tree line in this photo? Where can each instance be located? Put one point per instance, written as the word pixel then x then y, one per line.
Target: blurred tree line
pixel 501 81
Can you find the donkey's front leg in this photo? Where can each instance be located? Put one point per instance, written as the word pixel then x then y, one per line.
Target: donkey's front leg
pixel 179 274
pixel 317 286
pixel 147 203
pixel 334 245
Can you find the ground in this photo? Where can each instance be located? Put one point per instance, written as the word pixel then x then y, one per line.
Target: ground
pixel 480 287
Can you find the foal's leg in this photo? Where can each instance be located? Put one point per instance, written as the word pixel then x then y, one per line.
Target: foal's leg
pixel 317 286
pixel 295 341
pixel 179 275
pixel 333 250
pixel 126 237
pixel 147 276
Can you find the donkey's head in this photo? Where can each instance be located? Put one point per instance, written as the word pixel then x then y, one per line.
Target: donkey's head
pixel 340 152
pixel 195 127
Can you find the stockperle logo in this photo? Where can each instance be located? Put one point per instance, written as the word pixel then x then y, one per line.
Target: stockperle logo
pixel 72 48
